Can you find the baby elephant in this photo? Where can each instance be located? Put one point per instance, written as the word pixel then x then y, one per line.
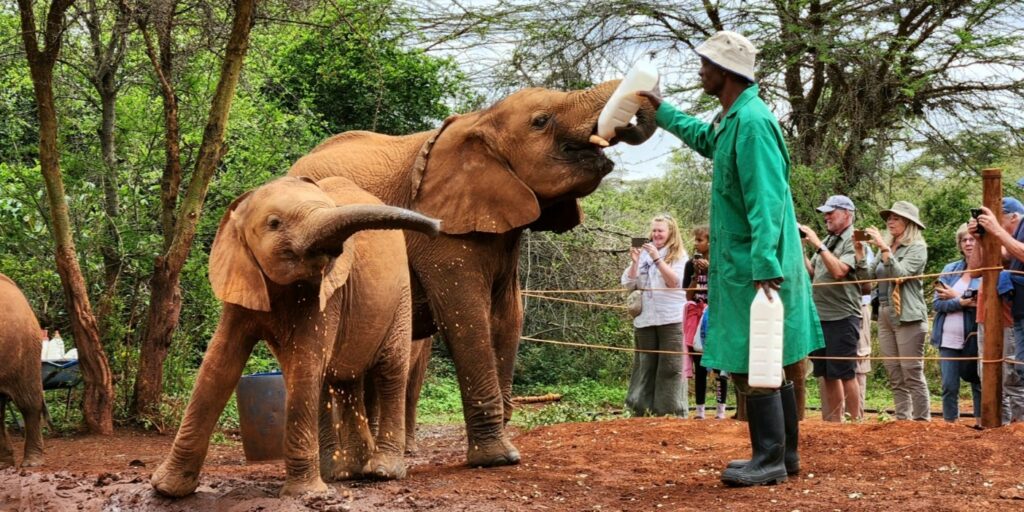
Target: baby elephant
pixel 21 378
pixel 294 267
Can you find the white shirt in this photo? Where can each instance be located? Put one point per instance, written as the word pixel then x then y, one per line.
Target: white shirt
pixel 661 307
pixel 953 326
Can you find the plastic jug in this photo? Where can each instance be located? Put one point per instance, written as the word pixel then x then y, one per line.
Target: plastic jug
pixel 55 349
pixel 766 331
pixel 624 102
pixel 71 354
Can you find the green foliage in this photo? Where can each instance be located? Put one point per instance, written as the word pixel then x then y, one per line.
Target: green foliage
pixel 352 72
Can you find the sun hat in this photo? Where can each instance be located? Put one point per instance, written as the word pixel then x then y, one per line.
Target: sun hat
pixel 730 51
pixel 904 209
pixel 837 201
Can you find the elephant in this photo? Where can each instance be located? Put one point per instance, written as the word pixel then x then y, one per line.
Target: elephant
pixel 488 175
pixel 21 379
pixel 306 267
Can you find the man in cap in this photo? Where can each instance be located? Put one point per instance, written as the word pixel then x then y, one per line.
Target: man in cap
pixel 839 307
pixel 1010 233
pixel 755 245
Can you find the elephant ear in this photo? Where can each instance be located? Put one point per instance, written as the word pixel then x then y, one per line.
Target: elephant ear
pixel 235 275
pixel 336 272
pixel 461 179
pixel 559 217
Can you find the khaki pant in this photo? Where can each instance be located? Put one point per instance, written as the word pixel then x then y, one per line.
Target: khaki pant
pixel 864 350
pixel 906 376
pixel 657 385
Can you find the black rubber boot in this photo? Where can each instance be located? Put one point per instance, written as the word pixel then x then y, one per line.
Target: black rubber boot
pixel 768 440
pixel 792 416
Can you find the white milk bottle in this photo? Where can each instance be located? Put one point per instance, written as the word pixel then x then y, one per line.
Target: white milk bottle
pixel 55 350
pixel 766 328
pixel 624 102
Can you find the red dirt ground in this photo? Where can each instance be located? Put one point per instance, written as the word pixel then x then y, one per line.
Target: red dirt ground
pixel 626 464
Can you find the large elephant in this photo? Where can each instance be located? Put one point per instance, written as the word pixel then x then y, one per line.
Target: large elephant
pixel 21 378
pixel 488 175
pixel 294 267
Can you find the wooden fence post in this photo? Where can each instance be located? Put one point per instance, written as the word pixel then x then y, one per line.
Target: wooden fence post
pixel 992 368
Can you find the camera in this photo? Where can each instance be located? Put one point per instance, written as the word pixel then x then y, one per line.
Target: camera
pixel 639 241
pixel 975 212
pixel 802 234
pixel 860 235
pixel 969 294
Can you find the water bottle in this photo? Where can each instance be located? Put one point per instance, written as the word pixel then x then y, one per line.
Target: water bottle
pixel 46 342
pixel 766 328
pixel 624 102
pixel 55 349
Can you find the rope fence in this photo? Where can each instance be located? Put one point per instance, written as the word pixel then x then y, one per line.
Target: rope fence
pixel 546 295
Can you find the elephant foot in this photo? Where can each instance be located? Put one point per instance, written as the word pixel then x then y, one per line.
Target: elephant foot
pixel 174 482
pixel 6 462
pixel 491 452
pixel 410 445
pixel 385 466
pixel 32 460
pixel 346 468
pixel 300 487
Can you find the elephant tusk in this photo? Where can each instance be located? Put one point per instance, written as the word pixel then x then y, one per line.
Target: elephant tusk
pixel 596 139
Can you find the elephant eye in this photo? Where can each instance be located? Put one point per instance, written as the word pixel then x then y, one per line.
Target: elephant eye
pixel 540 120
pixel 273 222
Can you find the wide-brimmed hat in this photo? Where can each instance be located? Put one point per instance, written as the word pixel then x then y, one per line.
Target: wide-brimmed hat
pixel 730 51
pixel 904 209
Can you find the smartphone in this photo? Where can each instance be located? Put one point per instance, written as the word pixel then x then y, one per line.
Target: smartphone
pixel 802 234
pixel 639 241
pixel 969 294
pixel 860 235
pixel 974 213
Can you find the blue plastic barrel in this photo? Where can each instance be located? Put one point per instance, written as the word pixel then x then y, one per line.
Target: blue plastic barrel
pixel 261 415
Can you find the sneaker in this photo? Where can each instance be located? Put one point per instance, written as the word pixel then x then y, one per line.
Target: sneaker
pixel 699 415
pixel 720 413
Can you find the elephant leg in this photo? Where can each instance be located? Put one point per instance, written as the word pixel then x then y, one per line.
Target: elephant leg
pixel 371 402
pixel 418 361
pixel 219 372
pixel 328 432
pixel 506 328
pixel 303 368
pixel 465 316
pixel 31 406
pixel 6 451
pixel 391 378
pixel 355 442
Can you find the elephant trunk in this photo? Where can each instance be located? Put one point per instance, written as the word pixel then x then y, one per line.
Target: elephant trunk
pixel 340 223
pixel 645 126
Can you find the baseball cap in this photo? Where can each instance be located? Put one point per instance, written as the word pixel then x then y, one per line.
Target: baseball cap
pixel 834 202
pixel 1012 205
pixel 730 51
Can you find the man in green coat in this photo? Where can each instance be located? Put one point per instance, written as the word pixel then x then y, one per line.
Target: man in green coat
pixel 755 244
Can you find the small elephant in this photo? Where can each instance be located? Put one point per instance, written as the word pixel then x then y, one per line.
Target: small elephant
pixel 488 175
pixel 294 267
pixel 21 379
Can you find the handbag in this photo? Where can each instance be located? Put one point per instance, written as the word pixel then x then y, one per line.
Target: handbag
pixel 635 303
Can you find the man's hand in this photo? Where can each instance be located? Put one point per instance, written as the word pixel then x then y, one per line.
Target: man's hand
pixel 652 96
pixel 810 237
pixel 987 220
pixel 768 285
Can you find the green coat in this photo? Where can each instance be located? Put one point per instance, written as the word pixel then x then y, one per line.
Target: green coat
pixel 754 233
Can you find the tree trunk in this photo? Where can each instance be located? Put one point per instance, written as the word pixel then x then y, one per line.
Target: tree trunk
pixel 112 262
pixel 165 304
pixel 99 390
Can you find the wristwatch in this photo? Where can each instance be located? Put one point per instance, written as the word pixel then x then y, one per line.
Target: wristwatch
pixel 821 248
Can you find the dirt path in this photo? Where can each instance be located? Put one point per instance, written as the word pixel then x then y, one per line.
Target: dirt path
pixel 633 464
